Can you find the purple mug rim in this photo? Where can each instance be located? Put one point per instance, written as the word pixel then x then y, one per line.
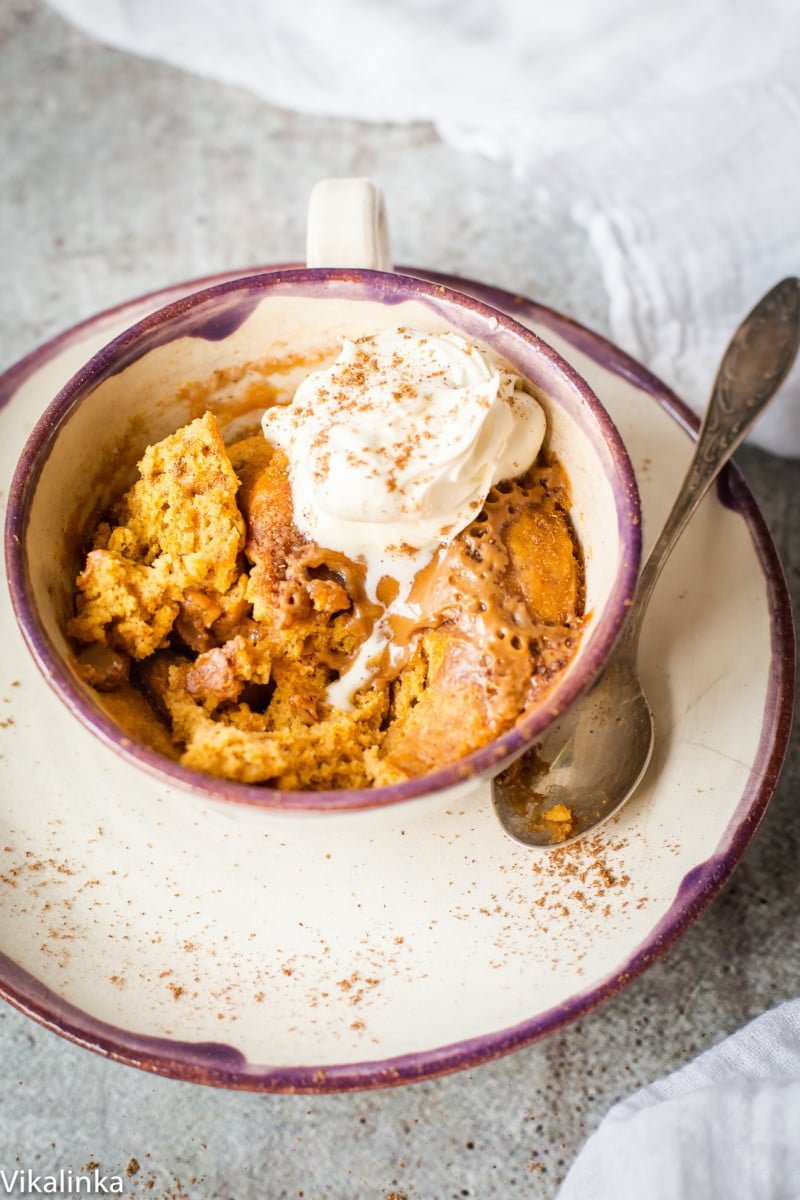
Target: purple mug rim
pixel 121 351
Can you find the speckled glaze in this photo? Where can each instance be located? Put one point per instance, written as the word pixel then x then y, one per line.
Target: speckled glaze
pixel 608 519
pixel 471 952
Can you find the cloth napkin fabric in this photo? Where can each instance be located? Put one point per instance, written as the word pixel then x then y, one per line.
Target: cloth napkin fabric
pixel 725 1127
pixel 669 132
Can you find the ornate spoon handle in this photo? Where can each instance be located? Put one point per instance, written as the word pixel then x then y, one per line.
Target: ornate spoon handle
pixel 758 359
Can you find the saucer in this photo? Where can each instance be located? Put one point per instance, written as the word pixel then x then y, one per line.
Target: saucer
pixel 330 952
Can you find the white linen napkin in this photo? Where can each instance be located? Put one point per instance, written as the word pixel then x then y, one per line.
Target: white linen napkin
pixel 669 131
pixel 725 1127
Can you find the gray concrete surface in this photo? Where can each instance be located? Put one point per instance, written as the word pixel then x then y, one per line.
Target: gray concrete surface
pixel 119 176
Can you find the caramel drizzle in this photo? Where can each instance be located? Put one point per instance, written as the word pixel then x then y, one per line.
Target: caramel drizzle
pixel 312 562
pixel 470 587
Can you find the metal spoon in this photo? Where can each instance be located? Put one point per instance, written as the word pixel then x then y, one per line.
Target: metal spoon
pixel 593 759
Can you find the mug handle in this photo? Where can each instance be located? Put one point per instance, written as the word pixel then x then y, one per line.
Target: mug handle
pixel 347 226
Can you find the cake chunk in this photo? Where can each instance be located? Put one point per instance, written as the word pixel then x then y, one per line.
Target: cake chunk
pixel 179 528
pixel 545 562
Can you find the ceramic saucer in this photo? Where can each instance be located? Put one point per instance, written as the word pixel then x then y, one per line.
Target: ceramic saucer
pixel 320 953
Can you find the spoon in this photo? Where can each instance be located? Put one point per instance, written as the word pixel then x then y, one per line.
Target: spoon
pixel 593 759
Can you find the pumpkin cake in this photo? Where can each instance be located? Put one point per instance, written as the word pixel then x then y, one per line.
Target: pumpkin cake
pixel 218 628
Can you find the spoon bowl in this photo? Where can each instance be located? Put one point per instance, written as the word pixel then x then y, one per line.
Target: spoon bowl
pixel 587 765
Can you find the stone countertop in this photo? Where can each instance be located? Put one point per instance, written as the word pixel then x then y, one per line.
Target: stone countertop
pixel 121 176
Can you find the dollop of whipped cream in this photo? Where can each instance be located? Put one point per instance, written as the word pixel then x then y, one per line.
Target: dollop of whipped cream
pixel 393 448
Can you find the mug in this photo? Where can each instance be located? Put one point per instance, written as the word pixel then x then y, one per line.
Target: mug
pixel 199 351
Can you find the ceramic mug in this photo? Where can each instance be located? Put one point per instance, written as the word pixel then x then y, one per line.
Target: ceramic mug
pixel 145 384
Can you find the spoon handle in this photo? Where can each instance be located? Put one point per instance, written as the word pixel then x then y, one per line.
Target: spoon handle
pixel 755 364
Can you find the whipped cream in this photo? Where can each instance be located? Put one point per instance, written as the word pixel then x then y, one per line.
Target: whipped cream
pixel 392 450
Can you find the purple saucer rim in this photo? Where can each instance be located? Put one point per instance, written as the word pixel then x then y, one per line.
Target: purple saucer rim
pixel 224 1066
pixel 243 293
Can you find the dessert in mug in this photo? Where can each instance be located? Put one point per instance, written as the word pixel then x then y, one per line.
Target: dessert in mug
pixel 379 581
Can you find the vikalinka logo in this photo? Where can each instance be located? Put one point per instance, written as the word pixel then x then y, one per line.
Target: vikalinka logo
pixel 63 1183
